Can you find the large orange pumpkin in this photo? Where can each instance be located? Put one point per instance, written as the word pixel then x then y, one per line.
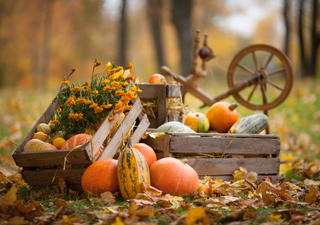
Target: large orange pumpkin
pixel 101 176
pixel 198 122
pixel 147 152
pixel 173 176
pixel 78 140
pixel 38 145
pixel 222 115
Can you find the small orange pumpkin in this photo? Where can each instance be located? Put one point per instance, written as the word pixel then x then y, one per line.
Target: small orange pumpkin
pixel 198 122
pixel 222 115
pixel 78 140
pixel 101 176
pixel 147 152
pixel 204 188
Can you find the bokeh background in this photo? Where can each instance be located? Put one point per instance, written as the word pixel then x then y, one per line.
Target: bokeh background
pixel 41 41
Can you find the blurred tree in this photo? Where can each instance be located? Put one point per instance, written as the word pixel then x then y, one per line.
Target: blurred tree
pixel 48 10
pixel 286 10
pixel 307 21
pixel 123 35
pixel 181 18
pixel 154 8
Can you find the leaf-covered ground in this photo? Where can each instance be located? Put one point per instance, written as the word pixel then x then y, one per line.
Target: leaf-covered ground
pixel 294 200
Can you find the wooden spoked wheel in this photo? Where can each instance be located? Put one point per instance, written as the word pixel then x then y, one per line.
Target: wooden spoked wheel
pixel 269 72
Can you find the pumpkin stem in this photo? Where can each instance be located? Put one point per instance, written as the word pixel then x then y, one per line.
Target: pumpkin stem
pixel 129 144
pixel 184 161
pixel 233 106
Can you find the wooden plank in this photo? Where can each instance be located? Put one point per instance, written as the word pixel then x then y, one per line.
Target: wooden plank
pixel 148 90
pixel 141 129
pixel 275 178
pixel 46 116
pixel 174 90
pixel 52 157
pixel 162 104
pixel 123 129
pixel 45 177
pixel 153 122
pixel 226 135
pixel 226 166
pixel 166 146
pixel 155 143
pixel 224 145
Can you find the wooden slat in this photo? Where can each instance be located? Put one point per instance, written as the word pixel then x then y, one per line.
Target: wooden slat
pixel 153 122
pixel 224 145
pixel 155 143
pixel 162 104
pixel 141 129
pixel 275 178
pixel 174 90
pixel 52 157
pixel 148 90
pixel 226 166
pixel 225 135
pixel 123 129
pixel 45 118
pixel 45 177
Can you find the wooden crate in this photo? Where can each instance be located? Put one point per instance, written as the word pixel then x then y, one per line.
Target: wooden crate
pixel 31 161
pixel 257 153
pixel 161 92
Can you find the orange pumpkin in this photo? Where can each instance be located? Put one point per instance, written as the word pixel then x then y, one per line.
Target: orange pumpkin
pixel 198 122
pixel 147 152
pixel 38 145
pixel 78 140
pixel 204 188
pixel 222 115
pixel 173 176
pixel 101 176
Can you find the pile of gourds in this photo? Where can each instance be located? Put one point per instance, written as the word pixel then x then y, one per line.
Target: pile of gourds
pixel 222 117
pixel 137 166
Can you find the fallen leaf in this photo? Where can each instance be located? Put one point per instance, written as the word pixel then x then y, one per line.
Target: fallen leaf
pixel 309 182
pixel 275 218
pixel 107 197
pixel 228 199
pixel 63 186
pixel 239 174
pixel 118 221
pixel 285 167
pixel 313 195
pixel 8 199
pixel 194 214
pixel 145 211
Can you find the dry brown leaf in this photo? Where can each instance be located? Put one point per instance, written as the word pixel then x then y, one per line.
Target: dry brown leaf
pixel 107 197
pixel 63 186
pixel 145 211
pixel 228 199
pixel 239 174
pixel 31 210
pixel 313 195
pixel 133 208
pixel 8 199
pixel 309 182
pixel 61 203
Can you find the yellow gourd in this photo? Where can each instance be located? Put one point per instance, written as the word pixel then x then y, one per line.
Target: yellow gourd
pixel 132 171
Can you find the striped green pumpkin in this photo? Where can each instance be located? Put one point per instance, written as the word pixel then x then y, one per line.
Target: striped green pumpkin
pixel 253 124
pixel 132 170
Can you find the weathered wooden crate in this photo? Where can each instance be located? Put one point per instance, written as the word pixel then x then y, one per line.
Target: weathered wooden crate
pixel 32 161
pixel 160 92
pixel 219 155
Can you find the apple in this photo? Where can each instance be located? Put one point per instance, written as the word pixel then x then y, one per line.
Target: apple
pixel 157 79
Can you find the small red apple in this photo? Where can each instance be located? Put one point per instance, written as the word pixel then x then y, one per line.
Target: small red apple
pixel 157 79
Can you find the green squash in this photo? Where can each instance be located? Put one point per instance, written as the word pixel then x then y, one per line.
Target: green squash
pixel 174 127
pixel 253 124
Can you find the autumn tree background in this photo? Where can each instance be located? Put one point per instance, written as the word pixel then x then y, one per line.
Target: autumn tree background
pixel 41 41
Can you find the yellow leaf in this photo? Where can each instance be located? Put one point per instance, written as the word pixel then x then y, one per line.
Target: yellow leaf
pixel 312 196
pixel 195 214
pixel 275 218
pixel 239 174
pixel 284 167
pixel 9 198
pixel 118 221
pixel 217 182
pixel 286 157
pixel 156 134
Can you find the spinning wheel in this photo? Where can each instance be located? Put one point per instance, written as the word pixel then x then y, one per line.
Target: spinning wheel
pixel 268 70
pixel 260 76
